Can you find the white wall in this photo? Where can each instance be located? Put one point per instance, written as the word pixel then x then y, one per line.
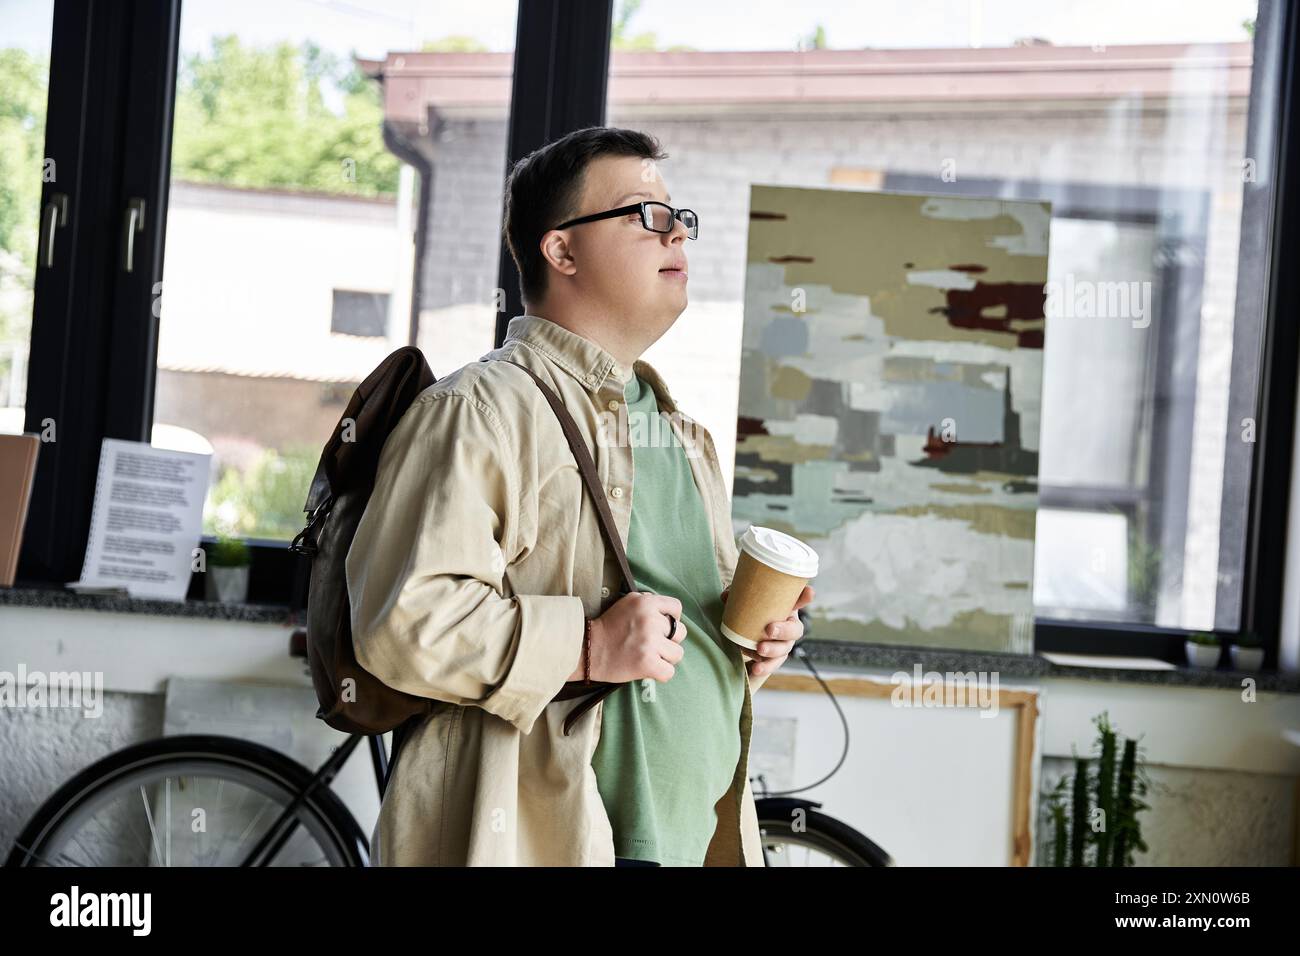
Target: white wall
pixel 249 275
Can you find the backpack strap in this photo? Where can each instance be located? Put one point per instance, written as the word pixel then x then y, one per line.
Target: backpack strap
pixel 595 691
pixel 588 468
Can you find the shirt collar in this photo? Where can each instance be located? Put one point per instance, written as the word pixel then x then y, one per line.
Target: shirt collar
pixel 582 358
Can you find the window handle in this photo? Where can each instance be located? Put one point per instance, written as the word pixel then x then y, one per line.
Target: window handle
pixel 133 223
pixel 54 215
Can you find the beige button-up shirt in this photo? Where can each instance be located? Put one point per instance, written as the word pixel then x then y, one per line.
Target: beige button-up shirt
pixel 471 572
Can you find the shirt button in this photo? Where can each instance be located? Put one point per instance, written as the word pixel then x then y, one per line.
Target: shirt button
pixel 617 492
pixel 613 405
pixel 604 592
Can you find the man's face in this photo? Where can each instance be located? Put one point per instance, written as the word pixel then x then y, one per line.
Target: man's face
pixel 617 263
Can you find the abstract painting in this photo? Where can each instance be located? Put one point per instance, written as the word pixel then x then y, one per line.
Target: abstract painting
pixel 890 385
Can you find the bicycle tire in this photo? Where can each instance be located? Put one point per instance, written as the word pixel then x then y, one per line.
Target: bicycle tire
pixel 825 833
pixel 271 765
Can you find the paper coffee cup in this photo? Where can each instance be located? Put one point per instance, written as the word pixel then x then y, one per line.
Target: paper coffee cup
pixel 771 572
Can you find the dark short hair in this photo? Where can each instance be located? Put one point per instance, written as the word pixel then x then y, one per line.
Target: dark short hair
pixel 545 187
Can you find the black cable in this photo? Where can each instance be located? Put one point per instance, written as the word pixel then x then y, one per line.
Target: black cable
pixel 801 653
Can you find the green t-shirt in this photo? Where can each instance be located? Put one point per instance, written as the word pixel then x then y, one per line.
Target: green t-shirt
pixel 667 752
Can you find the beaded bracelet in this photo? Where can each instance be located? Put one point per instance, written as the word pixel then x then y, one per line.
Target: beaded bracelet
pixel 586 652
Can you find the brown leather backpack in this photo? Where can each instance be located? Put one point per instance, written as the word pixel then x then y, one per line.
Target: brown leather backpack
pixel 351 698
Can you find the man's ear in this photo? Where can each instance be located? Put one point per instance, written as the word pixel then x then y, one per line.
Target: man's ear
pixel 555 250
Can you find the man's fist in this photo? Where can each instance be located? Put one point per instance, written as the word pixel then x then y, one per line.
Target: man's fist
pixel 631 640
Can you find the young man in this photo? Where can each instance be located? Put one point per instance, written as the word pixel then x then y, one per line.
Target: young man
pixel 478 575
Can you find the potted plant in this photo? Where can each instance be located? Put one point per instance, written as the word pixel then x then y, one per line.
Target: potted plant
pixel 1247 651
pixel 1202 649
pixel 227 570
pixel 1092 817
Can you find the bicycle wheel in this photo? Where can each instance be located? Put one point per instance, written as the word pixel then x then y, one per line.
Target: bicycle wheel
pixel 194 800
pixel 820 840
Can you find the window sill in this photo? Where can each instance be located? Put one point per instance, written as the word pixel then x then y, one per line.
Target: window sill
pixel 891 657
pixel 54 597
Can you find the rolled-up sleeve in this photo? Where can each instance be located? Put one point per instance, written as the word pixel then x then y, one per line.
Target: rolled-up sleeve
pixel 426 567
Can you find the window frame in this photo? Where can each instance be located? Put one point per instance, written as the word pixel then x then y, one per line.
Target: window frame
pixel 94 334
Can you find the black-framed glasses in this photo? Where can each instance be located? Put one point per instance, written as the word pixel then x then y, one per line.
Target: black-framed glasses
pixel 655 216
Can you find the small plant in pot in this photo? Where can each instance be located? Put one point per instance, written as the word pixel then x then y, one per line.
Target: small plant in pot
pixel 1203 649
pixel 1247 651
pixel 227 570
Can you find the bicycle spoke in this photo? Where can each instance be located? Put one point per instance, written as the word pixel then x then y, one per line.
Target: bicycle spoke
pixel 46 860
pixel 141 840
pixel 84 851
pixel 234 814
pixel 148 815
pixel 252 823
pixel 112 837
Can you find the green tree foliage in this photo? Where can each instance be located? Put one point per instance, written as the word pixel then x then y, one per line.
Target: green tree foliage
pixel 23 92
pixel 454 43
pixel 646 41
pixel 266 500
pixel 280 117
pixel 813 41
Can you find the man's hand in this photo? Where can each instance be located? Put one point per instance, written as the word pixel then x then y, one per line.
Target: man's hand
pixel 781 636
pixel 630 641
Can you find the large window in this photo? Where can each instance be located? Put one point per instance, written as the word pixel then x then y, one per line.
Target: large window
pixel 295 215
pixel 1131 120
pixel 328 180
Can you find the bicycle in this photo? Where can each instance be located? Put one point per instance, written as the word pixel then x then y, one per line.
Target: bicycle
pixel 95 818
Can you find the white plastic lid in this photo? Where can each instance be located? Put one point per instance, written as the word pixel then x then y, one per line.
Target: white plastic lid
pixel 780 551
